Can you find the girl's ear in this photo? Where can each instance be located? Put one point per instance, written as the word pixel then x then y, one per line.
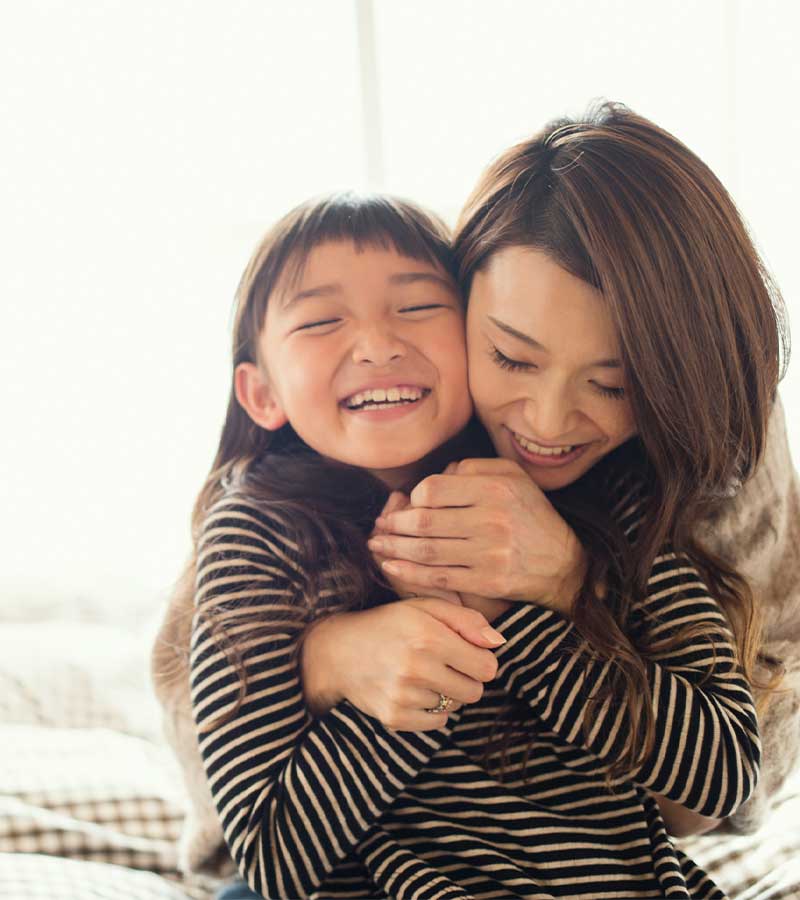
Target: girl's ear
pixel 257 398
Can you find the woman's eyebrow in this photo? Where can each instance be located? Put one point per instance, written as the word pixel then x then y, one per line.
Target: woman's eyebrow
pixel 532 342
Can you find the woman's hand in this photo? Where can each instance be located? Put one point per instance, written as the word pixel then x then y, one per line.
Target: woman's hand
pixel 396 501
pixel 490 607
pixel 393 661
pixel 483 527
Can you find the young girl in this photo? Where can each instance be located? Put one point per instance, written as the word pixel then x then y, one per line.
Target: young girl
pixel 349 379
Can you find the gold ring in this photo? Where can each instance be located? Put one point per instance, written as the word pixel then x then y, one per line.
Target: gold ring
pixel 444 704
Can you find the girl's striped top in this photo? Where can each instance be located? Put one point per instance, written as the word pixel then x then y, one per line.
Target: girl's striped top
pixel 338 806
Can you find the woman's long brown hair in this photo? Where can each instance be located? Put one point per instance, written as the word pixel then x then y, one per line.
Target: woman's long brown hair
pixel 625 206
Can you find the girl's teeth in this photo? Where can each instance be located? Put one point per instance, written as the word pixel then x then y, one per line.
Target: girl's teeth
pixel 381 395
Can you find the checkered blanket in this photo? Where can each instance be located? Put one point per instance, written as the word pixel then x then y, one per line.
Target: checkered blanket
pixel 91 803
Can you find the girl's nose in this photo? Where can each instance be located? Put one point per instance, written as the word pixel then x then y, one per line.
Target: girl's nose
pixel 378 346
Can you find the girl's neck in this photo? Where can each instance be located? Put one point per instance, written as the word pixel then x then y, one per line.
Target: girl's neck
pixel 403 478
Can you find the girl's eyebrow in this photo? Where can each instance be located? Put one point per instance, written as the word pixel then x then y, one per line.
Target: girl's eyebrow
pixel 325 290
pixel 413 277
pixel 322 290
pixel 532 342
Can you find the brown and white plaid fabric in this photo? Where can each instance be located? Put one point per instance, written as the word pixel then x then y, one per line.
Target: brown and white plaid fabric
pixel 92 795
pixel 29 876
pixel 91 809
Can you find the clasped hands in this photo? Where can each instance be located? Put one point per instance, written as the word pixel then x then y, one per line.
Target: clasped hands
pixel 458 551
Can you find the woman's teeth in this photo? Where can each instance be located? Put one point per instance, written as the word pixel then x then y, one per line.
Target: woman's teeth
pixel 531 447
pixel 379 398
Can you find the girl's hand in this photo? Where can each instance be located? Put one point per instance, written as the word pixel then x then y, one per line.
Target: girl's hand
pixel 483 527
pixel 393 661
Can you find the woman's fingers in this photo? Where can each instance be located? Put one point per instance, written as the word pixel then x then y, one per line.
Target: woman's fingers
pixel 463 624
pixel 430 551
pixel 467 490
pixel 420 521
pixel 440 578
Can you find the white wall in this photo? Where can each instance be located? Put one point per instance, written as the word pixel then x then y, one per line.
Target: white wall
pixel 145 147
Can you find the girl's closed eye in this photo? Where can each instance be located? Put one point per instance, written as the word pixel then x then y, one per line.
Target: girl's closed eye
pixel 319 323
pixel 423 307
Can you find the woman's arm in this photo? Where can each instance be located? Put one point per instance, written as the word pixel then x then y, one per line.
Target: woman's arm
pixel 680 821
pixel 707 751
pixel 295 794
pixel 393 661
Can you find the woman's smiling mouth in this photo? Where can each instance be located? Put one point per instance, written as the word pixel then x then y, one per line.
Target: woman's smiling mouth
pixel 540 455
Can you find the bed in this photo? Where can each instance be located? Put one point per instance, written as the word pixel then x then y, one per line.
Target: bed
pixel 91 803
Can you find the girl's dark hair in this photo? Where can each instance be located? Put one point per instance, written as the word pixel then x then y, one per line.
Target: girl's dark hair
pixel 327 509
pixel 625 206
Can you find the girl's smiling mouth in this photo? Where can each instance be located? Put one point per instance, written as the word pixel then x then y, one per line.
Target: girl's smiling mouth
pixel 379 398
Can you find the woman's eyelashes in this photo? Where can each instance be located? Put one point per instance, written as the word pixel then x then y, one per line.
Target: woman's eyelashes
pixel 515 365
pixel 505 362
pixel 615 393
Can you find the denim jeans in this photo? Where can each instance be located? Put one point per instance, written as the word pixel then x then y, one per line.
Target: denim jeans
pixel 237 890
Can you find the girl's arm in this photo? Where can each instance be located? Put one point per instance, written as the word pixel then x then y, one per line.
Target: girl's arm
pixel 295 794
pixel 707 750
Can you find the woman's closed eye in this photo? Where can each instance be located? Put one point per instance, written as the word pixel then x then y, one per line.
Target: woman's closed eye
pixel 515 365
pixel 615 393
pixel 505 362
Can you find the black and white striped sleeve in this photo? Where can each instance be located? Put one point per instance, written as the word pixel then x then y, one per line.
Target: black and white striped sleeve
pixel 707 750
pixel 295 794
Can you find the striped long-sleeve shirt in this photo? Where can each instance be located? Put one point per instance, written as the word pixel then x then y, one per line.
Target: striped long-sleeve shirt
pixel 338 806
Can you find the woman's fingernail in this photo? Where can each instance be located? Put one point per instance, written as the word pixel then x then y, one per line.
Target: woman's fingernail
pixel 391 567
pixel 493 636
pixel 375 544
pixel 380 522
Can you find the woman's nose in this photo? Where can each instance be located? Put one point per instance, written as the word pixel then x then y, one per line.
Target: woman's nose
pixel 377 345
pixel 548 415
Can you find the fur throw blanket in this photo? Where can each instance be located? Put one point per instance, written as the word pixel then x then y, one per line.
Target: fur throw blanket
pixel 757 531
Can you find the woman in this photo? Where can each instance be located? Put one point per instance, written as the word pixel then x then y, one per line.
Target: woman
pixel 613 223
pixel 616 206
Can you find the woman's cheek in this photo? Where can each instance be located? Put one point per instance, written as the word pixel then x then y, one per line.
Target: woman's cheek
pixel 483 386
